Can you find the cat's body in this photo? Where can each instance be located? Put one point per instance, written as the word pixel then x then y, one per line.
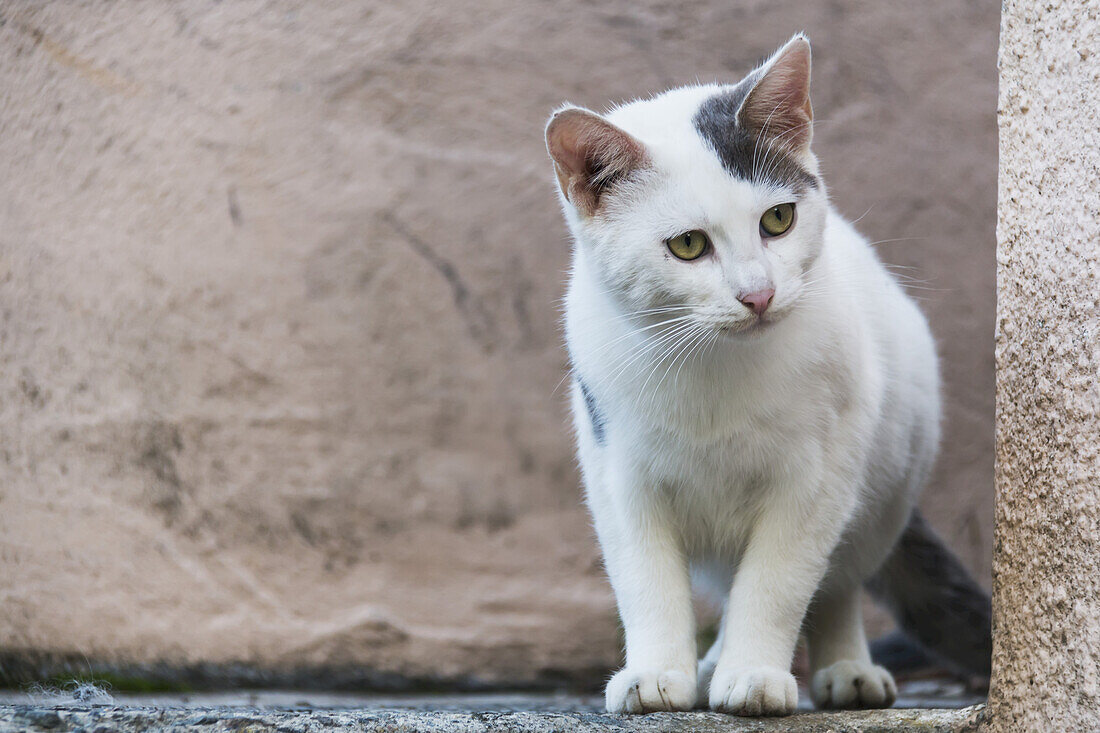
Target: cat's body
pixel 728 426
pixel 765 412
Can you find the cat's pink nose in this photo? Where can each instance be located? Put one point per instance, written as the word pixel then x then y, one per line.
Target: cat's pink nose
pixel 759 301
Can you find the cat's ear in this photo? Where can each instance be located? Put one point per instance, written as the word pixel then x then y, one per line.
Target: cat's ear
pixel 590 155
pixel 778 106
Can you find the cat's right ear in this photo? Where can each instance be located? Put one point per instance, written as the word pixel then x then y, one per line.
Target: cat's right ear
pixel 590 155
pixel 778 106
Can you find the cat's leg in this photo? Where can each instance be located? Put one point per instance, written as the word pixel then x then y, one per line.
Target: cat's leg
pixel 649 574
pixel 707 664
pixel 842 674
pixel 783 564
pixel 712 580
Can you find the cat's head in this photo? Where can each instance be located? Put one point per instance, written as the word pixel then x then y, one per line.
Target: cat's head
pixel 705 196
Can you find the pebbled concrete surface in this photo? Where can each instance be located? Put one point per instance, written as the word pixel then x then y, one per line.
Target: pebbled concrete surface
pixel 93 709
pixel 103 718
pixel 918 693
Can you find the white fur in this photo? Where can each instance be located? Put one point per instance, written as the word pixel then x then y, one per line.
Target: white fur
pixel 780 463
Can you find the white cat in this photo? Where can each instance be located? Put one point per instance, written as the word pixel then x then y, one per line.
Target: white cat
pixel 755 397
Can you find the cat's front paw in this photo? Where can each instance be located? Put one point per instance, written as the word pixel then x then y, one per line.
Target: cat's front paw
pixel 848 684
pixel 753 691
pixel 650 691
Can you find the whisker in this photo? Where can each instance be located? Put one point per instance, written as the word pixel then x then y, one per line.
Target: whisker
pixel 648 346
pixel 657 363
pixel 693 354
pixel 865 213
pixel 655 344
pixel 633 332
pixel 683 348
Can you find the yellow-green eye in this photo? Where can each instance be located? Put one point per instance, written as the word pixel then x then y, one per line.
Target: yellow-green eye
pixel 777 220
pixel 689 245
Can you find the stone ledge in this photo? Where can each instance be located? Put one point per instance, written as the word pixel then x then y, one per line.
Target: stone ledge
pixel 105 718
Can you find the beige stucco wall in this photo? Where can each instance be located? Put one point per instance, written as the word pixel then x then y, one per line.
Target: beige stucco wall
pixel 1046 658
pixel 278 310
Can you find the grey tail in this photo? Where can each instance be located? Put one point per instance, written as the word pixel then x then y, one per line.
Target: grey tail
pixel 935 603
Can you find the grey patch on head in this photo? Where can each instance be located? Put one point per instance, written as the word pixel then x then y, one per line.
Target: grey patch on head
pixel 739 150
pixel 595 416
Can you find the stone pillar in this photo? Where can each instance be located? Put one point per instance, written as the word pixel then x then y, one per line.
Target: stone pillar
pixel 1046 575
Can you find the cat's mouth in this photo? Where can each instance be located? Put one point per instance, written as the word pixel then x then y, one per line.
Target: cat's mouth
pixel 750 327
pixel 746 328
pixel 736 326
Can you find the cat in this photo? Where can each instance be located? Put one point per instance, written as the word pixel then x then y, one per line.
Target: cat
pixel 756 403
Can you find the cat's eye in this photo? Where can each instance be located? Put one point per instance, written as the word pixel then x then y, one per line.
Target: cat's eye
pixel 689 245
pixel 776 220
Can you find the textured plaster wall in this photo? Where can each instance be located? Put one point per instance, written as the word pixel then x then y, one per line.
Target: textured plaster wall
pixel 1046 659
pixel 278 321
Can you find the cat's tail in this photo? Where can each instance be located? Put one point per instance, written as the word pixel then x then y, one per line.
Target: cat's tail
pixel 935 603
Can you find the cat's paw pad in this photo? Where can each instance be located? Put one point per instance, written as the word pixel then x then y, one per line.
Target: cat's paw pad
pixel 650 691
pixel 848 684
pixel 753 691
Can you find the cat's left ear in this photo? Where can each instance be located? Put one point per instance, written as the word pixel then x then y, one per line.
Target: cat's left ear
pixel 778 106
pixel 590 154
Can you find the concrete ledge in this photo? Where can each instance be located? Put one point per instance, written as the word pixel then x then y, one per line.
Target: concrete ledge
pixel 104 718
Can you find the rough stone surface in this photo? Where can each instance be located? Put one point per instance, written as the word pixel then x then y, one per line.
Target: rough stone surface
pixel 278 339
pixel 1046 650
pixel 215 720
pixel 925 693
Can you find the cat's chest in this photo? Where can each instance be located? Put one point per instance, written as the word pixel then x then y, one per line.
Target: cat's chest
pixel 714 490
pixel 738 464
pixel 729 425
pixel 717 463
